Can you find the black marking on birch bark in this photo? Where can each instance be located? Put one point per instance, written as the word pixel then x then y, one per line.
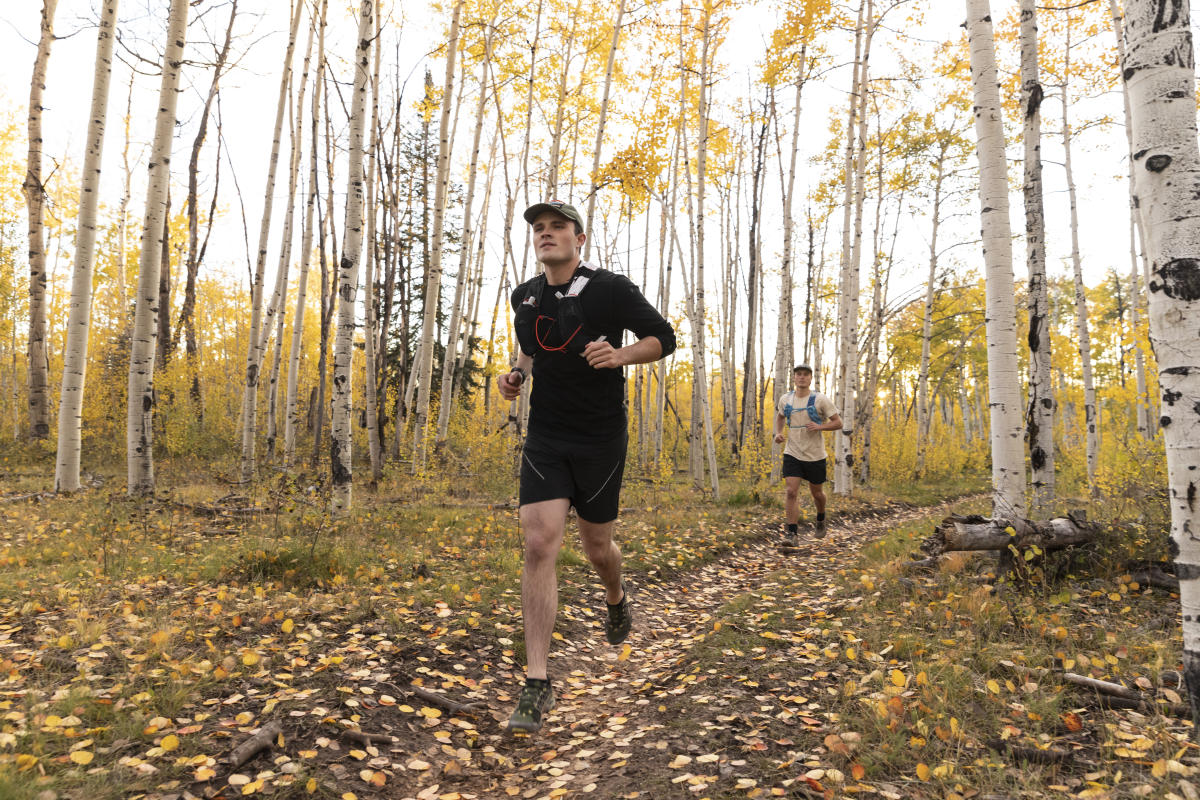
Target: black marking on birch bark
pixel 1169 397
pixel 1191 497
pixel 252 375
pixel 339 471
pixel 1037 457
pixel 1187 572
pixel 346 292
pixel 1158 163
pixel 1035 101
pixel 1161 19
pixel 1184 370
pixel 1172 549
pixel 147 403
pixel 1034 340
pixel 1047 402
pixel 1164 421
pixel 1180 279
pixel 849 459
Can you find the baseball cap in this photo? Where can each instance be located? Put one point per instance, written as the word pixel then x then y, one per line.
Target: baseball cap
pixel 558 207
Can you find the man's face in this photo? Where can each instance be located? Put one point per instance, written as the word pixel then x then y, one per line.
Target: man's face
pixel 554 238
pixel 803 379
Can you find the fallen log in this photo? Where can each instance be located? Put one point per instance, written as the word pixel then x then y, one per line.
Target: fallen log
pixel 364 738
pixel 1156 578
pixel 254 745
pixel 1103 687
pixel 982 533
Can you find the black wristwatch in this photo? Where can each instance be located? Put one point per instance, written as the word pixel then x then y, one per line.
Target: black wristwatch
pixel 521 372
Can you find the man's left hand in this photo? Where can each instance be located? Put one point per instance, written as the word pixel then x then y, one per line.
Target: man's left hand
pixel 602 355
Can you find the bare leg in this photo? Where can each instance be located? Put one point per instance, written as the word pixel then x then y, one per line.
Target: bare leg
pixel 818 495
pixel 792 503
pixel 543 524
pixel 602 551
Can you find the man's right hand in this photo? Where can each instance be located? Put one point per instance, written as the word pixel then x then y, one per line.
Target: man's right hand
pixel 510 384
pixel 779 437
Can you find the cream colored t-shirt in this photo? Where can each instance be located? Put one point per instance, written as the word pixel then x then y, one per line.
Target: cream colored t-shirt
pixel 802 443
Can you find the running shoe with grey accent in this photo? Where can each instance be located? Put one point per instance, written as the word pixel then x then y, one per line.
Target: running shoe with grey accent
pixel 536 700
pixel 819 530
pixel 620 618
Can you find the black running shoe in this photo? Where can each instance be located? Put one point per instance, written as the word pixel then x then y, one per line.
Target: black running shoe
pixel 537 698
pixel 620 619
pixel 819 529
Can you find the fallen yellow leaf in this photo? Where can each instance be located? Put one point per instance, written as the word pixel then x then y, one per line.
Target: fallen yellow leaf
pixel 84 757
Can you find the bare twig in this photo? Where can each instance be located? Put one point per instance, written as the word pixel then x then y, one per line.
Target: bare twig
pixel 364 738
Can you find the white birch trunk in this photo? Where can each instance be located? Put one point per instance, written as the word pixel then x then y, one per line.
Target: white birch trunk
pixel 256 342
pixel 433 276
pixel 450 359
pixel 39 359
pixel 70 409
pixel 923 411
pixel 1004 383
pixel 341 430
pixel 843 482
pixel 1040 417
pixel 1159 75
pixel 370 388
pixel 291 415
pixel 608 74
pixel 1136 235
pixel 139 441
pixel 1090 415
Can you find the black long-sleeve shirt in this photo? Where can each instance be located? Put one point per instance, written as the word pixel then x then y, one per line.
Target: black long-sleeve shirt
pixel 570 399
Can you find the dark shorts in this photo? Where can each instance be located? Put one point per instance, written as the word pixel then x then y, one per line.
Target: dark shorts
pixel 811 471
pixel 587 474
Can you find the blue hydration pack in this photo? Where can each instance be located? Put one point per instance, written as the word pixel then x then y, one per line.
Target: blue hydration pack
pixel 811 408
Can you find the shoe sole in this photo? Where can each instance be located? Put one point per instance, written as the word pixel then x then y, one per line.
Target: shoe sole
pixel 531 727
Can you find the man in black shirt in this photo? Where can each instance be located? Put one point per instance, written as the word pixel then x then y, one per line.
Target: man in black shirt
pixel 570 321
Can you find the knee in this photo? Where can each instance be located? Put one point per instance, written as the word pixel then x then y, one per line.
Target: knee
pixel 541 544
pixel 793 494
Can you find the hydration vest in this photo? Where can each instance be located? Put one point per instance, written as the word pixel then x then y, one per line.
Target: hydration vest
pixel 571 326
pixel 810 407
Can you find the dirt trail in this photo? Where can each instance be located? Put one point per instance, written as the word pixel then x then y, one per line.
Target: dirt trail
pixel 613 732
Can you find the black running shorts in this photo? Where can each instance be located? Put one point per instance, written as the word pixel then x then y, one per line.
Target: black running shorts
pixel 587 474
pixel 811 471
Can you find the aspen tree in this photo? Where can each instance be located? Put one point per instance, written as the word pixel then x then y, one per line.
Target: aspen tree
pixel 608 74
pixel 1159 73
pixel 370 387
pixel 278 307
pixel 433 272
pixel 450 356
pixel 39 359
pixel 195 253
pixel 139 443
pixel 256 342
pixel 923 411
pixel 1145 425
pixel 1083 335
pixel 843 481
pixel 70 410
pixel 343 349
pixel 291 413
pixel 1004 385
pixel 1040 418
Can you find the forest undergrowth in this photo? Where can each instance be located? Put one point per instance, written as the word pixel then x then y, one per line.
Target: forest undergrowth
pixel 142 641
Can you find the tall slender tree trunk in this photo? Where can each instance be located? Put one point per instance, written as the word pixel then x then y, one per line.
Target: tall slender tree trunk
pixel 450 357
pixel 433 273
pixel 39 359
pixel 843 481
pixel 70 409
pixel 1159 75
pixel 291 416
pixel 1040 417
pixel 256 342
pixel 1004 385
pixel 608 74
pixel 1090 415
pixel 370 386
pixel 923 411
pixel 343 349
pixel 1145 424
pixel 139 443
